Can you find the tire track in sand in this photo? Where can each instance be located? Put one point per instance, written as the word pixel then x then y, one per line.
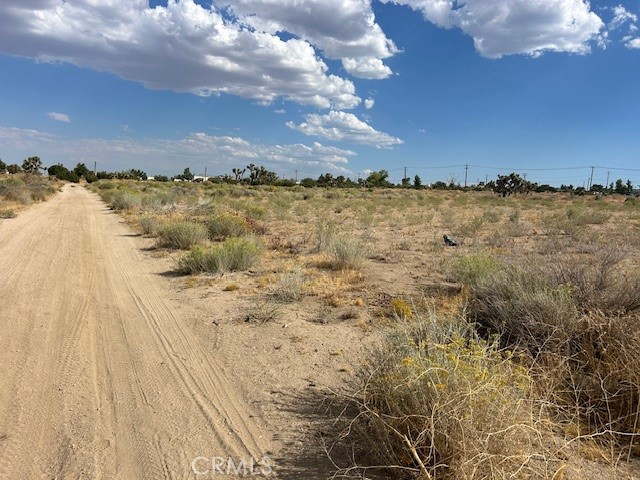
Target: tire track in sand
pixel 101 379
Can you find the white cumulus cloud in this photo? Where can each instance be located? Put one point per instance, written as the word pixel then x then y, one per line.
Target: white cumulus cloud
pixel 633 43
pixel 344 127
pixel 368 103
pixel 342 29
pixel 369 67
pixel 182 46
pixel 60 117
pixel 507 27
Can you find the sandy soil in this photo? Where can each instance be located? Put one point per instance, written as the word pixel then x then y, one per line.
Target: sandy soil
pixel 109 372
pixel 113 366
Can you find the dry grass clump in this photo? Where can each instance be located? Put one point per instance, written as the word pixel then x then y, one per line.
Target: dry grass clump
pixel 579 321
pixel 601 281
pixel 437 401
pixel 346 253
pixel 183 234
pixel 235 254
pixel 263 312
pixel 290 287
pixel 518 303
pixel 593 379
pixel 325 234
pixel 7 213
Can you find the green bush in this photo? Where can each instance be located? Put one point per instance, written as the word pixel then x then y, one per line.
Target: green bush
pixel 235 254
pixel 469 269
pixel 149 225
pixel 227 225
pixel 256 212
pixel 105 185
pixel 12 182
pixel 183 234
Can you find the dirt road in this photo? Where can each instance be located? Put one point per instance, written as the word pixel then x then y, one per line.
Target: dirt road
pixel 99 377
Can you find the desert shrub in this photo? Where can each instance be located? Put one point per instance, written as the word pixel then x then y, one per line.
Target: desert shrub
pixel 7 213
pixel 235 254
pixel 263 312
pixel 201 259
pixel 579 322
pixel 592 378
pixel 183 234
pixel 156 200
pixel 12 181
pixel 227 225
pixel 346 253
pixel 120 200
pixel 15 190
pixel 290 287
pixel 105 185
pixel 519 304
pixel 39 193
pixel 256 212
pixel 436 401
pixel 469 228
pixel 149 225
pixel 469 269
pixel 325 233
pixel 26 189
pixel 582 217
pixel 600 282
pixel 491 215
pixel 401 308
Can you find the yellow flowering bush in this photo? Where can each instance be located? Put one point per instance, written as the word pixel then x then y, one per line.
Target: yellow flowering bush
pixel 439 402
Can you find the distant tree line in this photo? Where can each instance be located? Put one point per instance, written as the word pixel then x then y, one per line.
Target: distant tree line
pixel 504 185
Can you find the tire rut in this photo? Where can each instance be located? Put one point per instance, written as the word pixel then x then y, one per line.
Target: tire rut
pixel 102 378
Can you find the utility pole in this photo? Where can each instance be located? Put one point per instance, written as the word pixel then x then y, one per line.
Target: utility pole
pixel 607 184
pixel 405 174
pixel 95 166
pixel 296 176
pixel 466 170
pixel 591 178
pixel 205 173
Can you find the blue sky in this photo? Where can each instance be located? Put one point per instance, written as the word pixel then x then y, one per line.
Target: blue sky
pixel 340 86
